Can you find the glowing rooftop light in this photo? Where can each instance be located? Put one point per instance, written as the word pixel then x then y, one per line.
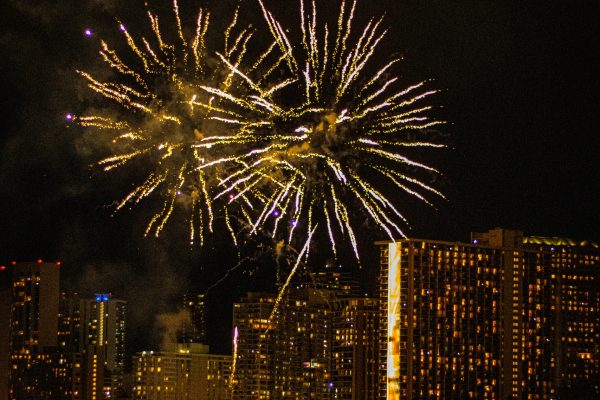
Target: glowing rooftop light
pixel 88 32
pixel 102 297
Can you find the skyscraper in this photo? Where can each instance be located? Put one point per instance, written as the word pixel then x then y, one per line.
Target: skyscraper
pixel 70 345
pixel 103 335
pixel 487 319
pixel 35 364
pixel 321 342
pixel 69 322
pixel 355 349
pixel 195 331
pixel 254 378
pixel 575 275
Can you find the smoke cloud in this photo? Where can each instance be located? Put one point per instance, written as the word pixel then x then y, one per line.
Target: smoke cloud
pixel 169 325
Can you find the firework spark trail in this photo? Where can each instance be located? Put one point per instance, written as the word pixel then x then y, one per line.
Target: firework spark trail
pixel 231 270
pixel 283 289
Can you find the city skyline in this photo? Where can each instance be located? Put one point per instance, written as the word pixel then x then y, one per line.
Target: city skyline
pixel 501 316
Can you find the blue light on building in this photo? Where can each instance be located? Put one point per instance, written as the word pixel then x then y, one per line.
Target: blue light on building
pixel 102 297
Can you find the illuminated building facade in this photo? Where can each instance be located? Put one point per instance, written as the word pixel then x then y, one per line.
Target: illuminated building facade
pixel 86 358
pixel 302 339
pixel 576 311
pixel 490 319
pixel 255 359
pixel 355 349
pixel 36 370
pixel 56 345
pixel 321 343
pixel 69 322
pixel 103 336
pixel 187 372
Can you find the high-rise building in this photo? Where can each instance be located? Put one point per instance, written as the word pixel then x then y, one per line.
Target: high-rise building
pixel 355 349
pixel 303 343
pixel 187 371
pixel 195 330
pixel 69 322
pixel 575 275
pixel 334 279
pixel 72 345
pixel 102 337
pixel 254 378
pixel 321 342
pixel 37 369
pixel 496 318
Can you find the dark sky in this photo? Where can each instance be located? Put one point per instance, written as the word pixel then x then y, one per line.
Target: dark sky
pixel 520 89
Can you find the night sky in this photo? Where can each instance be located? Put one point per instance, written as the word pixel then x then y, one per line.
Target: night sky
pixel 520 90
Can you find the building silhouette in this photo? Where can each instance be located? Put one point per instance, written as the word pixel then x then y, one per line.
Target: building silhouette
pixel 195 330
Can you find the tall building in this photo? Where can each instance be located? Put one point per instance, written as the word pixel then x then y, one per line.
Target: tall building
pixel 187 371
pixel 576 312
pixel 501 317
pixel 253 378
pixel 71 345
pixel 355 349
pixel 334 279
pixel 37 369
pixel 69 322
pixel 102 337
pixel 302 335
pixel 195 331
pixel 320 344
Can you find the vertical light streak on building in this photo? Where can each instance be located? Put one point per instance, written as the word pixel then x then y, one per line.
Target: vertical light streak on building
pixel 101 313
pixel 234 361
pixel 393 318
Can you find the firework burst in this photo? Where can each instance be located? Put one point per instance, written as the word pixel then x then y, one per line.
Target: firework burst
pixel 317 138
pixel 164 116
pixel 285 140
